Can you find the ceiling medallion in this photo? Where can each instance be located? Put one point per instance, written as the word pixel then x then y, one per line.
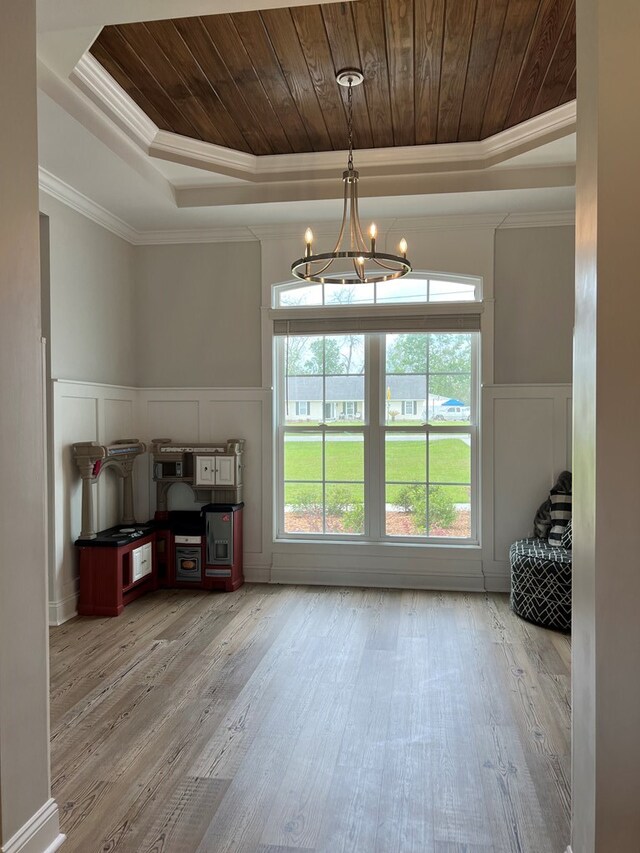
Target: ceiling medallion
pixel 352 260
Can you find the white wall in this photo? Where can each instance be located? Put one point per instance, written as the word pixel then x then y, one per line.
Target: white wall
pixel 198 315
pixel 28 815
pixel 534 304
pixel 92 299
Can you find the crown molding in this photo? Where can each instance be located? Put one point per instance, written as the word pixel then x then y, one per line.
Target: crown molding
pixel 239 234
pixel 293 230
pixel 74 199
pixel 109 96
pixel 102 89
pixel 58 189
pixel 407 160
pixel 539 220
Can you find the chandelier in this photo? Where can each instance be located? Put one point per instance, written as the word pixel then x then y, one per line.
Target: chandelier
pixel 353 259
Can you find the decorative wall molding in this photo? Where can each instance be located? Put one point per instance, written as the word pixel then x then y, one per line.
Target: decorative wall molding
pixel 526 442
pixel 526 435
pixel 40 834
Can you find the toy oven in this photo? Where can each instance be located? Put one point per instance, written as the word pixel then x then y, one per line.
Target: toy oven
pixel 188 558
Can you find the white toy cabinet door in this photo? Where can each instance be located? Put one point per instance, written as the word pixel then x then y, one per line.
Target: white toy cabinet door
pixel 205 470
pixel 225 470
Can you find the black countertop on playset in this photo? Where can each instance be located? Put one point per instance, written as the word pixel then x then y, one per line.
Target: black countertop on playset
pixel 184 522
pixel 121 534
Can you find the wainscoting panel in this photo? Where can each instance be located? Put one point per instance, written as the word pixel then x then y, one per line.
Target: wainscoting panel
pixel 526 443
pixel 175 419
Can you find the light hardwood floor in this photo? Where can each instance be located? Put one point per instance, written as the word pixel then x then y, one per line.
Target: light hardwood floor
pixel 298 719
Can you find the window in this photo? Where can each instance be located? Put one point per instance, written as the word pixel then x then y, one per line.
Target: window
pixel 388 446
pixel 415 289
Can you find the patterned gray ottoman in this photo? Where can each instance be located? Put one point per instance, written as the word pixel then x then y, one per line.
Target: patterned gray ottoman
pixel 541 583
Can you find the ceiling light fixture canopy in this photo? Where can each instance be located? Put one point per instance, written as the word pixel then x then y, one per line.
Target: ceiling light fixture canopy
pixel 353 259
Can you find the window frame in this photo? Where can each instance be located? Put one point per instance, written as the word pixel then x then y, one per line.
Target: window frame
pixel 373 428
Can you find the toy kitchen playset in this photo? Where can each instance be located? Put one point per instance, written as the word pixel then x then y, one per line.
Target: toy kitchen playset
pixel 189 549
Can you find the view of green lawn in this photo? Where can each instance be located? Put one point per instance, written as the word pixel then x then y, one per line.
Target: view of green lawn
pixel 406 462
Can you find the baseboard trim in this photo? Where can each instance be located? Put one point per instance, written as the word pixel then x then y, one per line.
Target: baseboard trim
pixel 497 583
pixel 383 580
pixel 40 834
pixel 257 574
pixel 63 610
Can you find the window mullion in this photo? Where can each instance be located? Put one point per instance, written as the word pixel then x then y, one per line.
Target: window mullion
pixel 374 470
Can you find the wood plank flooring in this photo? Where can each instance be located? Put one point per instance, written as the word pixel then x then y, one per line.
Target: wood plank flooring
pixel 311 720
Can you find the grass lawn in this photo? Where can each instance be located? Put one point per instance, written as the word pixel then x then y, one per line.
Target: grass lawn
pixel 449 462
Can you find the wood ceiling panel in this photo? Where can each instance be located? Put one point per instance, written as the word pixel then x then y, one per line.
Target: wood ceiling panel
pixel 315 46
pixel 487 32
pixel 555 90
pixel 516 32
pixel 398 16
pixel 252 98
pixel 369 22
pixel 286 44
pixel 264 82
pixel 428 16
pixel 458 29
pixel 209 87
pixel 338 22
pixel 253 34
pixel 544 39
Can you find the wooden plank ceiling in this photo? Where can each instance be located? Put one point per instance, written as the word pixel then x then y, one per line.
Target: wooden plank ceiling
pixel 264 82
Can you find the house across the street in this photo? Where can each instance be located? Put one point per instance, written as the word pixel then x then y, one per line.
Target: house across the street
pixel 341 398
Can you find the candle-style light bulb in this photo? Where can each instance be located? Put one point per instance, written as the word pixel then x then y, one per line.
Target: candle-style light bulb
pixel 308 239
pixel 403 247
pixel 372 233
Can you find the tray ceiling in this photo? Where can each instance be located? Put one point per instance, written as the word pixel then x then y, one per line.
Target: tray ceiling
pixel 436 71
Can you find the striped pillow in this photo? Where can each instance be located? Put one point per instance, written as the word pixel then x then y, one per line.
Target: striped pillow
pixel 560 516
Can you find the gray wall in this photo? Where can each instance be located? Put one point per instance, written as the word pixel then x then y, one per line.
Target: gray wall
pixel 198 315
pixel 92 299
pixel 534 284
pixel 24 700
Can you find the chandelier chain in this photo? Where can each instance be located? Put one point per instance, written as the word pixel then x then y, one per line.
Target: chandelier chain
pixel 350 124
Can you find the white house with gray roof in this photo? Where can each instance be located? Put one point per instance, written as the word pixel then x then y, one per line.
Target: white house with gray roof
pixel 326 399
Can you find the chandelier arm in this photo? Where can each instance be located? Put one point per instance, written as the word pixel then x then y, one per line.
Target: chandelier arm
pixel 336 248
pixel 355 207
